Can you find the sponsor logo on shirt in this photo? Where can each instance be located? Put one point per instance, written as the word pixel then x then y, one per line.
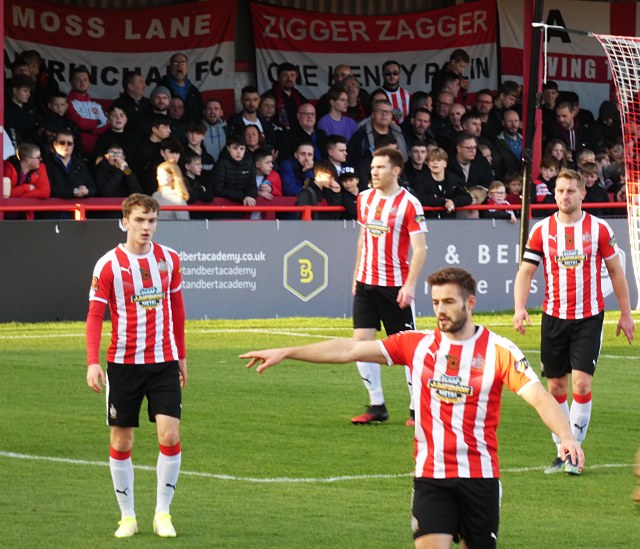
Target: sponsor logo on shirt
pixel 450 389
pixel 148 298
pixel 377 228
pixel 571 259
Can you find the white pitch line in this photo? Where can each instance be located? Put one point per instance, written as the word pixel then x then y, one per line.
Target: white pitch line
pixel 277 480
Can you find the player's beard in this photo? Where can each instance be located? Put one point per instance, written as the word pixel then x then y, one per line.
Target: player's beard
pixel 454 323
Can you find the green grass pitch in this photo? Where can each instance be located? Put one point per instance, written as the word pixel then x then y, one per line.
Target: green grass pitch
pixel 272 461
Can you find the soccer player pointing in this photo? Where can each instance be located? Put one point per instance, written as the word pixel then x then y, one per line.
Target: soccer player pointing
pixel 457 373
pixel 142 284
pixel 571 245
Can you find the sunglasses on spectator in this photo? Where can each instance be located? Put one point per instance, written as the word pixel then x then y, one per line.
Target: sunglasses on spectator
pixel 70 143
pixel 391 73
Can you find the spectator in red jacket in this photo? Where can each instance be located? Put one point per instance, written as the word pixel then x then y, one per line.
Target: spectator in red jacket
pixel 27 173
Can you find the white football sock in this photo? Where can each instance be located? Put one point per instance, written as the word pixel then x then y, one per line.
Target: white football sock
pixel 168 469
pixel 580 415
pixel 122 476
pixel 370 374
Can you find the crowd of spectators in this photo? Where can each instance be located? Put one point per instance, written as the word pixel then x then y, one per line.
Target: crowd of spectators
pixel 460 148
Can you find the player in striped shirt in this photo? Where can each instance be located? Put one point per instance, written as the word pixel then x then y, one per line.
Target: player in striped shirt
pixel 571 244
pixel 458 371
pixel 141 282
pixel 384 281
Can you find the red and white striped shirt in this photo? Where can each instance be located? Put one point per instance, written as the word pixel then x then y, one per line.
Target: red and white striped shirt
pixel 388 223
pixel 399 100
pixel 572 256
pixel 138 290
pixel 458 385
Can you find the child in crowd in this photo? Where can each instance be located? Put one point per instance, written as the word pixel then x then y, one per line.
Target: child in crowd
pixel 234 176
pixel 349 182
pixel 268 180
pixel 584 156
pixel 324 190
pixel 497 193
pixel 513 183
pixel 595 189
pixel 603 162
pixel 198 184
pixel 544 185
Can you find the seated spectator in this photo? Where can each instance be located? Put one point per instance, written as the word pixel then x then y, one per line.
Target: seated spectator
pixel 603 162
pixel 288 98
pixel 322 190
pixel 116 133
pixel 486 151
pixel 497 193
pixel 585 156
pixel 472 124
pixel 441 126
pixel 550 94
pixel 45 84
pixel 132 100
pixel 456 113
pixel 177 110
pixel 68 173
pixel 27 173
pixel 268 180
pixel 196 131
pixel 335 122
pixel 234 176
pixel 148 154
pixel 595 189
pixel 468 164
pixel 215 138
pixel 440 187
pixel 608 123
pixel 507 98
pixel 542 190
pixel 559 150
pixel 341 75
pixel 483 106
pixel 415 169
pixel 21 118
pixel 304 131
pixel 87 114
pixel 296 169
pixel 172 191
pixel 350 185
pixel 179 85
pixel 253 139
pixel 510 143
pixel 160 102
pixel 199 187
pixel 513 183
pixel 113 176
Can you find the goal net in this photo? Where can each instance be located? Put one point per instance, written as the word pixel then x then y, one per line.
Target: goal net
pixel 623 53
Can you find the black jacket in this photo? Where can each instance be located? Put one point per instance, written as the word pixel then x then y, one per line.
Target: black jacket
pixel 234 180
pixel 112 181
pixel 62 182
pixel 312 195
pixel 434 193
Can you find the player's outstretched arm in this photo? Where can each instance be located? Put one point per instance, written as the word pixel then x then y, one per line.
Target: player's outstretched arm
pixel 334 351
pixel 95 377
pixel 553 417
pixel 520 292
pixel 626 325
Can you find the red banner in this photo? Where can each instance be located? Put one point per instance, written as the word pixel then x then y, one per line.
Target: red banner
pixel 420 42
pixel 113 42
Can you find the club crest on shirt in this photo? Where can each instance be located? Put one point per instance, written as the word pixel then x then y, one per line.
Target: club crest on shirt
pixel 450 389
pixel 148 298
pixel 377 227
pixel 163 265
pixel 586 237
pixel 522 365
pixel 113 413
pixel 571 259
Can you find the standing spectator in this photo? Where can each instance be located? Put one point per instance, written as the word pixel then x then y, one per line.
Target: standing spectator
pixel 507 98
pixel 513 183
pixel 322 190
pixel 573 306
pixel 342 76
pixel 215 138
pixel 132 100
pixel 172 191
pixel 441 126
pixel 267 110
pixel 177 109
pixel 117 133
pixel 146 158
pixel 288 98
pixel 337 152
pixel 248 116
pixel 268 180
pixel 455 116
pixel 467 163
pixel 459 410
pixel 483 106
pixel 305 130
pixel 45 84
pixel 550 93
pixel 195 142
pixel 336 121
pixel 296 169
pixel 253 139
pixel 595 189
pixel 200 188
pixel 142 284
pixel 510 143
pixel 392 223
pixel 438 187
pixel 458 63
pixel 54 120
pixel 68 172
pixel 419 129
pixel 21 117
pixel 160 103
pixel 349 184
pixel 86 113
pixel 179 84
pixel 357 108
pixel 397 95
pixel 234 176
pixel 559 150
